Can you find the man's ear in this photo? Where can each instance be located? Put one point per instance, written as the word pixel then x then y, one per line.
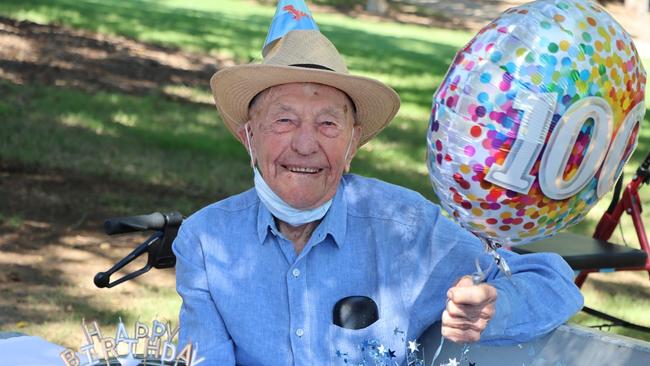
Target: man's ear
pixel 246 139
pixel 241 134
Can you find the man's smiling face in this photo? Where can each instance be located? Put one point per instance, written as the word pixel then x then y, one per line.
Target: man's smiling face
pixel 300 134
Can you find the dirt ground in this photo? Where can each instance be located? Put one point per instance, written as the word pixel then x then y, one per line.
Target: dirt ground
pixel 51 246
pixel 42 54
pixel 472 15
pixel 49 225
pixel 51 220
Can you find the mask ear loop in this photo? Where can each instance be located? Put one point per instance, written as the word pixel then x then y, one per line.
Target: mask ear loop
pixel 347 151
pixel 248 143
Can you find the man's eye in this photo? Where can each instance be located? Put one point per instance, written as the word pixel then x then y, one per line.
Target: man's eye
pixel 330 128
pixel 330 123
pixel 281 125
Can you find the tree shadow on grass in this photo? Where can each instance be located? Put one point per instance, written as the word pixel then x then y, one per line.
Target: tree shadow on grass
pixel 50 251
pixel 37 295
pixel 129 140
pixel 51 298
pixel 90 62
pixel 214 32
pixel 53 55
pixel 153 21
pixel 83 59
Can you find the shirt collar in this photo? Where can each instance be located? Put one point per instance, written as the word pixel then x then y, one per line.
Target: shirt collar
pixel 265 222
pixel 334 223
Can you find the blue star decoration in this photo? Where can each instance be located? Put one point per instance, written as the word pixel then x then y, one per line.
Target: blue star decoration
pixel 366 344
pixel 373 353
pixel 472 364
pixel 452 362
pixel 382 350
pixel 342 355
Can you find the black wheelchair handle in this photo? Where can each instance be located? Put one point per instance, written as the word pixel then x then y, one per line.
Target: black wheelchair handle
pixel 644 170
pixel 152 221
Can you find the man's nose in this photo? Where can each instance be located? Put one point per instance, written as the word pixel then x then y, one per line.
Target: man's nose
pixel 305 141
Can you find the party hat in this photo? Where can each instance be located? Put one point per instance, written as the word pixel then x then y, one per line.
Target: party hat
pixel 289 15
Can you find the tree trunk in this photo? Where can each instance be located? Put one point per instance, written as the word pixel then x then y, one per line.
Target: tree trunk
pixel 377 6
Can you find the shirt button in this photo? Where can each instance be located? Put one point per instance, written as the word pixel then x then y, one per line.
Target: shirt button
pixel 295 272
pixel 300 332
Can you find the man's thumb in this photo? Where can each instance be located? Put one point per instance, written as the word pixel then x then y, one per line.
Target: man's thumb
pixel 465 281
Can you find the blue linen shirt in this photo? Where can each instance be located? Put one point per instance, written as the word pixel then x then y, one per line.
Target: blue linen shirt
pixel 249 299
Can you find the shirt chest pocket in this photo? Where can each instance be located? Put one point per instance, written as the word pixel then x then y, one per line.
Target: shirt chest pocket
pixel 364 346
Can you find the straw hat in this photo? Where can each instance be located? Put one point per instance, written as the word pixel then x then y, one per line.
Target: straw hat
pixel 302 56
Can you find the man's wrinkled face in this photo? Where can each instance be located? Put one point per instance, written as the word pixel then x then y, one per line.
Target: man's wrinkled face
pixel 300 134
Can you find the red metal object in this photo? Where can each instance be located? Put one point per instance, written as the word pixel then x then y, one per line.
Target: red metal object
pixel 630 203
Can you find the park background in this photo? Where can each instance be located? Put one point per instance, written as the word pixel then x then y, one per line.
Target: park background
pixel 105 110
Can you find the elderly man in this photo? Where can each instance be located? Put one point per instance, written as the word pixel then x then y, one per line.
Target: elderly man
pixel 260 273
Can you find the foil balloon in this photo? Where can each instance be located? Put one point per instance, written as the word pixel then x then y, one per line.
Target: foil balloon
pixel 535 119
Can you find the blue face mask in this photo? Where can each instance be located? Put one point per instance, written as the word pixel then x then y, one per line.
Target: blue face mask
pixel 277 206
pixel 282 210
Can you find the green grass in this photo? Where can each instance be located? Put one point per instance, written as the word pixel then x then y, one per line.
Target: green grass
pixel 66 308
pixel 12 220
pixel 151 140
pixel 143 139
pixel 412 59
pixel 623 298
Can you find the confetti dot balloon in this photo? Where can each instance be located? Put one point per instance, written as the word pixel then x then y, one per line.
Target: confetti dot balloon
pixel 535 119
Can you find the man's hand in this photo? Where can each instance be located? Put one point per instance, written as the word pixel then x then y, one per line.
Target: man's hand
pixel 468 311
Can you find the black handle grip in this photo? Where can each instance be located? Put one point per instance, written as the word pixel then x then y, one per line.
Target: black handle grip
pixel 120 225
pixel 646 162
pixel 101 279
pixel 643 172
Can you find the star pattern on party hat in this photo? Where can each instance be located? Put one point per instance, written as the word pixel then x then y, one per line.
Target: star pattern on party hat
pixel 289 15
